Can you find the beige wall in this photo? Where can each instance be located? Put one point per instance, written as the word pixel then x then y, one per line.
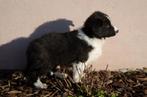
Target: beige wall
pixel 20 18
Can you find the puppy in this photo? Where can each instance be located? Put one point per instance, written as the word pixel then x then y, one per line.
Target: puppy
pixel 74 49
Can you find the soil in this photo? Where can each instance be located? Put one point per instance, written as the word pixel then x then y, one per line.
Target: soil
pixel 103 83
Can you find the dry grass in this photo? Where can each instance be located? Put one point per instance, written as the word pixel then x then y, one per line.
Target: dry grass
pixel 95 84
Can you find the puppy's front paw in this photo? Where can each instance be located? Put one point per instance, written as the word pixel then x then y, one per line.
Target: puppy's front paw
pixel 44 86
pixel 39 84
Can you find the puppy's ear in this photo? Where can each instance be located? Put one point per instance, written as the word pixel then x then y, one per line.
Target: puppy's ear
pixel 94 20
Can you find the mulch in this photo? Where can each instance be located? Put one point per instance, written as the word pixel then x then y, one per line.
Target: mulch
pixel 104 83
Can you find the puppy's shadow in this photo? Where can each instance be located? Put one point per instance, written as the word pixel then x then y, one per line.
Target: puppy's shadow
pixel 60 25
pixel 12 54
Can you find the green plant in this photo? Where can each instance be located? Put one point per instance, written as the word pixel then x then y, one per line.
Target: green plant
pixel 114 94
pixel 101 93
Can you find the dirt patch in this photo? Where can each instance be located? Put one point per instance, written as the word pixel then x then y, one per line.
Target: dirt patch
pixel 95 84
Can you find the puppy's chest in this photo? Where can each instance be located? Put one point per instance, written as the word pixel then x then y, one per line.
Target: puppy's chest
pixel 97 44
pixel 96 52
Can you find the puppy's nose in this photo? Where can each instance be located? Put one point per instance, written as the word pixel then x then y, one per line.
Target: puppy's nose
pixel 116 29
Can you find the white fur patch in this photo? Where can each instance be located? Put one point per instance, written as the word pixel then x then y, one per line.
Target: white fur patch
pixel 95 43
pixel 78 69
pixel 115 28
pixel 39 84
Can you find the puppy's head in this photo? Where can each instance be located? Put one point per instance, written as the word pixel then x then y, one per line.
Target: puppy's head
pixel 98 25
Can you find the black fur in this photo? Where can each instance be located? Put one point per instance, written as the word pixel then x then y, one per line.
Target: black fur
pixel 45 53
pixel 53 49
pixel 98 25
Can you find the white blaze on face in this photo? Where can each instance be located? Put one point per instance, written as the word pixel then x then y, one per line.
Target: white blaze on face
pixel 115 29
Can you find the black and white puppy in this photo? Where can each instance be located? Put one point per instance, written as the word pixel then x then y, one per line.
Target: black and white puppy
pixel 74 49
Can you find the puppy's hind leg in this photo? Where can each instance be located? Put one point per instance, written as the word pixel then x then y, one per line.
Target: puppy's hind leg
pixel 33 78
pixel 38 83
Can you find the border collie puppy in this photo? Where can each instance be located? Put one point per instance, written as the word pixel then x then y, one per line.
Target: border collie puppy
pixel 74 49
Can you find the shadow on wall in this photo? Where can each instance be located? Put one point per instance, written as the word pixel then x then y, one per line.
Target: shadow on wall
pixel 12 54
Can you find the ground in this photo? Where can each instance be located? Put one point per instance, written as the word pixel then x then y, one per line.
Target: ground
pixel 103 83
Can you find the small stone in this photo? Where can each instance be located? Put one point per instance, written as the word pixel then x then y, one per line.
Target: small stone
pixel 124 70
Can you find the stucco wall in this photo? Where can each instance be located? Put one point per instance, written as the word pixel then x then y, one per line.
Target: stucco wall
pixel 21 21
